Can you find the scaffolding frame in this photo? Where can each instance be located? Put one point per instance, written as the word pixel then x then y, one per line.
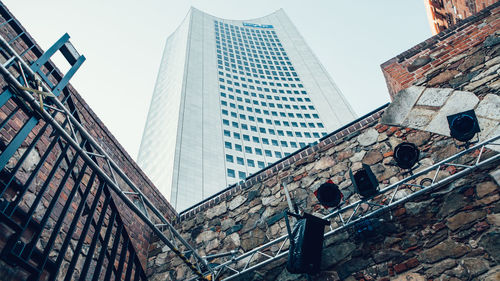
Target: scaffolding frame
pixel 75 134
pixel 383 201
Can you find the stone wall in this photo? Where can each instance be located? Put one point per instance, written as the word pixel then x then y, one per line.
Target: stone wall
pixel 440 234
pixel 427 109
pixel 24 44
pixel 449 234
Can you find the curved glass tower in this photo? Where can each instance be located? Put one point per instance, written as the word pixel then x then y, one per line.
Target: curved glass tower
pixel 231 97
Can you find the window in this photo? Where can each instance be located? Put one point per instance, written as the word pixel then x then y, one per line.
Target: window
pixel 236 136
pixel 293 144
pixel 230 173
pixel 307 135
pixel 261 164
pixel 238 147
pixel 258 151
pixel 241 175
pixel 240 161
pixel 225 122
pixel 251 163
pixel 277 154
pixel 244 126
pixel 248 149
pixel 255 139
pixel 274 142
pixel 246 137
pixel 284 143
pixel 228 145
pixel 229 158
pixel 268 153
pixel 227 133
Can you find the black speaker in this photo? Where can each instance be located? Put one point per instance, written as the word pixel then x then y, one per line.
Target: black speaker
pixel 306 245
pixel 329 194
pixel 364 181
pixel 463 125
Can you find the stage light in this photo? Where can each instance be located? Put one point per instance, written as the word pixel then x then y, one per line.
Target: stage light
pixel 364 181
pixel 463 125
pixel 306 244
pixel 406 155
pixel 367 229
pixel 329 194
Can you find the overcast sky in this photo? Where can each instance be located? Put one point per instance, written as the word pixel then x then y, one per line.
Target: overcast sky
pixel 123 41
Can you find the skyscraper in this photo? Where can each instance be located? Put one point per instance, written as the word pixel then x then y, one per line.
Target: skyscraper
pixel 231 97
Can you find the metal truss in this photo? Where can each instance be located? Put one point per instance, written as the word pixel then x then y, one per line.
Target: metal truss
pixel 384 201
pixel 55 113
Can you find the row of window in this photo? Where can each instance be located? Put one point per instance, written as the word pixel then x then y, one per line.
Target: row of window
pixel 232 174
pixel 267 90
pixel 274 113
pixel 243 85
pixel 244 126
pixel 258 151
pixel 239 28
pixel 250 80
pixel 262 96
pixel 270 105
pixel 239 160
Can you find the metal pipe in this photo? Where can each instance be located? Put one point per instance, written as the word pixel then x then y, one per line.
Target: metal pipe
pixel 376 212
pixel 87 136
pixel 426 189
pixel 116 188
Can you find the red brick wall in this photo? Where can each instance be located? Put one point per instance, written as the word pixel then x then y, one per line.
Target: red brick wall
pixel 421 61
pixel 446 13
pixel 139 232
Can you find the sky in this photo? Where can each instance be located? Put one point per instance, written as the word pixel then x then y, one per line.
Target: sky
pixel 123 41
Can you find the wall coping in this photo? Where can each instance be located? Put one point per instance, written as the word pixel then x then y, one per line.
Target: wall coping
pixel 324 143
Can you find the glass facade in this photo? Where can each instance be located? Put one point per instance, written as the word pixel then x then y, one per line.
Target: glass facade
pixel 231 98
pixel 264 105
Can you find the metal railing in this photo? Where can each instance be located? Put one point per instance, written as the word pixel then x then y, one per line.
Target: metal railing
pixel 351 214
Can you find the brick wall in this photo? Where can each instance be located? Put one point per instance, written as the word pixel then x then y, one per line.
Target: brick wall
pixel 446 13
pixel 24 44
pixel 442 56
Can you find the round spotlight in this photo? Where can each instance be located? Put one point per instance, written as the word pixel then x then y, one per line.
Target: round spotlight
pixel 406 155
pixel 463 126
pixel 329 194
